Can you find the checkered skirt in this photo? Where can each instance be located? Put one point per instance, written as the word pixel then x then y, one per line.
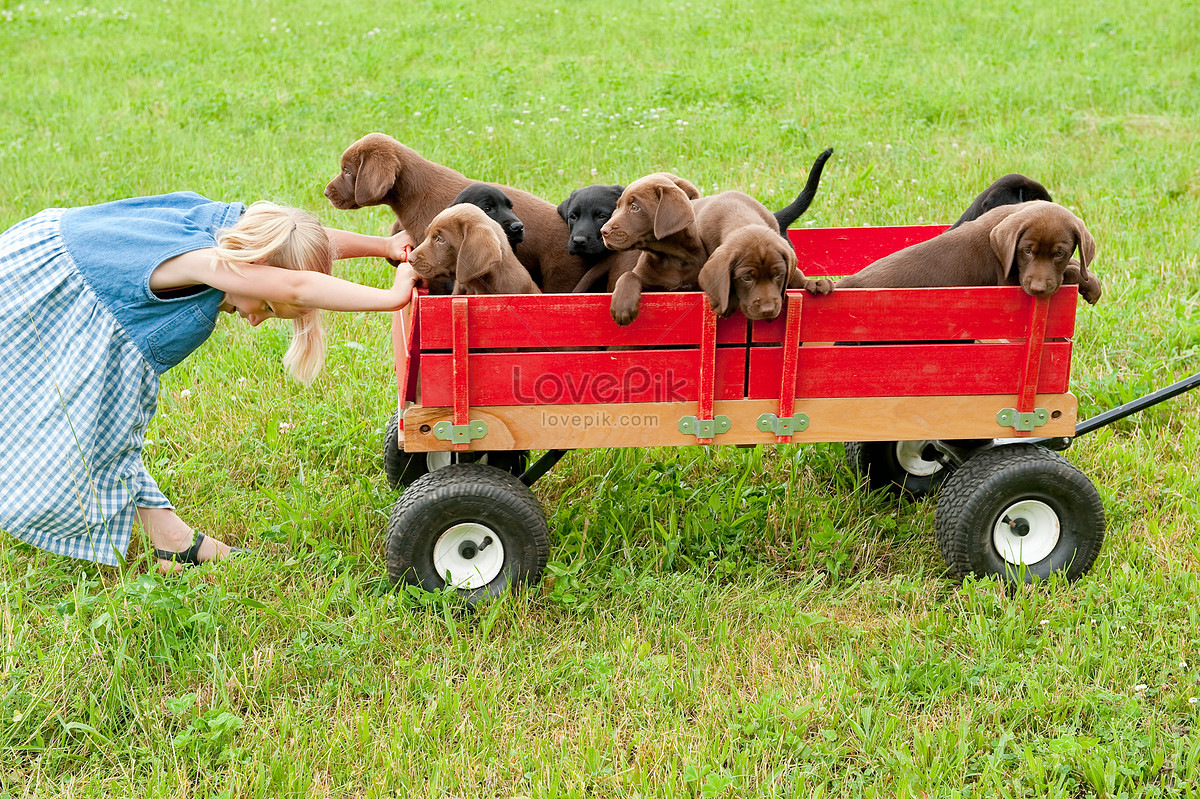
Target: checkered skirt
pixel 77 396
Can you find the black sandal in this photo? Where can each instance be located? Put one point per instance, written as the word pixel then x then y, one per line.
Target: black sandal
pixel 190 556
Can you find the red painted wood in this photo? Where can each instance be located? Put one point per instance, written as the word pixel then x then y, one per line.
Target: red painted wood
pixel 583 378
pixel 708 354
pixel 791 360
pixel 824 252
pixel 543 321
pixel 922 314
pixel 1034 343
pixel 459 365
pixel 919 370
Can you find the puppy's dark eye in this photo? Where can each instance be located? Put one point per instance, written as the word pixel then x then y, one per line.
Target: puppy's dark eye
pixel 602 216
pixel 487 209
pixel 635 207
pixel 437 238
pixel 746 278
pixel 571 217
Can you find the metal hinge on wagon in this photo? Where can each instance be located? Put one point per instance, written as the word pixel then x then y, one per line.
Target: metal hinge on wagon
pixel 785 426
pixel 1022 422
pixel 460 433
pixel 705 428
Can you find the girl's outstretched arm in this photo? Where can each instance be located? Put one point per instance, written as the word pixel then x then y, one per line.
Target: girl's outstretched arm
pixel 359 245
pixel 293 287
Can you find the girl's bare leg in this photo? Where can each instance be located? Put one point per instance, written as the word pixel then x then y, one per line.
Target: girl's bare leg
pixel 170 533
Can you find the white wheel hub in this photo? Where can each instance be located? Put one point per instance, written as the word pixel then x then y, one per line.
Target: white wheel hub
pixel 910 456
pixel 438 460
pixel 1026 532
pixel 468 555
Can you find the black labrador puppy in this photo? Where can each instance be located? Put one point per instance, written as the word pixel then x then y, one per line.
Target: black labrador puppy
pixel 1012 189
pixel 497 205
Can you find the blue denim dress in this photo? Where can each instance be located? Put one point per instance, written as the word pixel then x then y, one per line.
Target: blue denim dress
pixel 82 343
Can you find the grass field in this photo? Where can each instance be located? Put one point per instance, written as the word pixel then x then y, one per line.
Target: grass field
pixel 714 622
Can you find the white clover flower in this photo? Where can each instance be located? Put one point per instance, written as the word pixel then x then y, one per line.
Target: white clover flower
pixel 185 393
pixel 1193 700
pixel 1139 688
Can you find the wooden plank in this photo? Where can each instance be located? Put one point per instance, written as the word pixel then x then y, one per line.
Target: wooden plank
pixel 656 424
pixel 883 370
pixel 552 378
pixel 825 252
pixel 546 321
pixel 791 363
pixel 921 314
pixel 708 363
pixel 459 366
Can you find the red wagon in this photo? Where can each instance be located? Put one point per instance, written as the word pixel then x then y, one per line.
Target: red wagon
pixel 928 385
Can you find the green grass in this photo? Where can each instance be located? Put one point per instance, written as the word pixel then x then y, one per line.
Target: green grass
pixel 713 623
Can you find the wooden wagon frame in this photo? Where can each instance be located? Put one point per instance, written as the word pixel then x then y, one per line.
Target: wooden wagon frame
pixel 925 384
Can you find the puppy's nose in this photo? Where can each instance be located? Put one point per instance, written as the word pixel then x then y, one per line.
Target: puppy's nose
pixel 605 230
pixel 517 227
pixel 579 240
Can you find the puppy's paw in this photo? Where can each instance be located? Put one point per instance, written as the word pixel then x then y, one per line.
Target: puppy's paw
pixel 624 305
pixel 820 286
pixel 1090 290
pixel 623 313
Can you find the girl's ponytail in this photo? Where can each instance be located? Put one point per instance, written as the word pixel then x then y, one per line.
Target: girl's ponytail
pixel 288 238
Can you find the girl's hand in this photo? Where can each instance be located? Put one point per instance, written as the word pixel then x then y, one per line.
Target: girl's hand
pixel 404 282
pixel 399 245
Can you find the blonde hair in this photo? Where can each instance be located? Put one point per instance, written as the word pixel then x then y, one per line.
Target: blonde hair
pixel 290 239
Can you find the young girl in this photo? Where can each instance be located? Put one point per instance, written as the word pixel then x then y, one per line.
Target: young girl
pixel 96 302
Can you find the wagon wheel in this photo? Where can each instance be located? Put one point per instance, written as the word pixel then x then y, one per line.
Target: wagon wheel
pixel 1019 512
pixel 899 466
pixel 402 468
pixel 474 528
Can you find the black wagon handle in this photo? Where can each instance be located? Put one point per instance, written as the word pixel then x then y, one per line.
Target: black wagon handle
pixel 1121 411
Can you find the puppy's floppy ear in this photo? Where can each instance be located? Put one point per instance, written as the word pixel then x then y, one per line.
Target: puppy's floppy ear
pixel 564 207
pixel 1087 246
pixel 377 170
pixel 1004 238
pixel 687 187
pixel 479 250
pixel 716 280
pixel 674 211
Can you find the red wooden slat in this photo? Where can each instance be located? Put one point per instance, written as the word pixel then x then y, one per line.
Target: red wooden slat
pixel 791 360
pixel 459 368
pixel 1034 343
pixel 908 370
pixel 542 321
pixel 824 252
pixel 549 378
pixel 406 348
pixel 708 357
pixel 922 314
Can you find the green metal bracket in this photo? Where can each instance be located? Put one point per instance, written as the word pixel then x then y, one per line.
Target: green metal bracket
pixel 705 428
pixel 460 433
pixel 789 425
pixel 1024 422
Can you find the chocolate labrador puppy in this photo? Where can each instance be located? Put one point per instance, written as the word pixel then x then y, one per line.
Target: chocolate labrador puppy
pixel 1028 245
pixel 749 264
pixel 465 243
pixel 588 208
pixel 655 215
pixel 378 170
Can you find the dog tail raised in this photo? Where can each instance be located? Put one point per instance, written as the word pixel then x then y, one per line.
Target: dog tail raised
pixel 786 216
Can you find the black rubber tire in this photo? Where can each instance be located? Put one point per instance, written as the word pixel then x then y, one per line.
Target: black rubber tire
pixel 459 493
pixel 879 464
pixel 403 468
pixel 977 494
